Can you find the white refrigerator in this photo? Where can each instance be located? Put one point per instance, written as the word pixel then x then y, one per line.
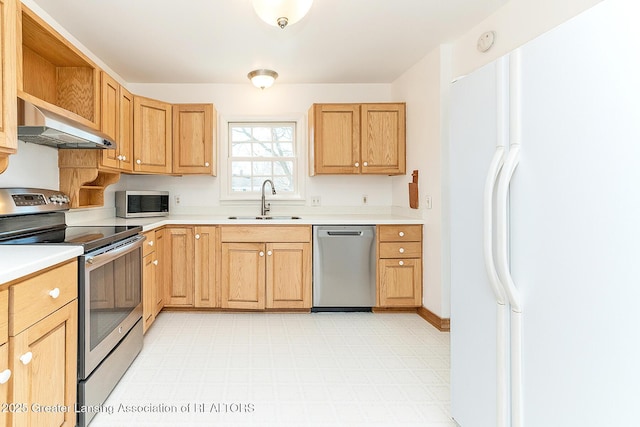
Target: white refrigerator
pixel 545 229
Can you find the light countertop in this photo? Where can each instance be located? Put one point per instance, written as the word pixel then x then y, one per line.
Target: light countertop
pixel 21 260
pixel 155 222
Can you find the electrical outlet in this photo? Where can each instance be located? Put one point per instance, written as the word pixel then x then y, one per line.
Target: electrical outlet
pixel 315 200
pixel 365 199
pixel 176 199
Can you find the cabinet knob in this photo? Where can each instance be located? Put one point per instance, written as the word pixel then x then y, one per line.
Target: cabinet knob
pixel 269 253
pixel 401 234
pixel 5 375
pixel 261 253
pixel 26 358
pixel 119 157
pixel 155 262
pixel 401 250
pixel 401 263
pixel 365 164
pixel 206 164
pixel 150 242
pixel 54 293
pixel 357 164
pixel 138 162
pixel 197 237
pixel 124 158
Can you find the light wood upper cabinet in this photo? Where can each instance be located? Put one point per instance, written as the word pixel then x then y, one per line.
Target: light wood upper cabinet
pixel 152 136
pixel 357 139
pixel 193 139
pixel 117 122
pixel 8 70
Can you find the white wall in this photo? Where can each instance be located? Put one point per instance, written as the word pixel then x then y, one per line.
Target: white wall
pixel 33 166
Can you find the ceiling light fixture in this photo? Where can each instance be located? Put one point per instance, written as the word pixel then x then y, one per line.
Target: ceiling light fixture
pixel 281 12
pixel 262 78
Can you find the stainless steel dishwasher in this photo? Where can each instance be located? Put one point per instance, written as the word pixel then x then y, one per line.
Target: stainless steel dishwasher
pixel 344 267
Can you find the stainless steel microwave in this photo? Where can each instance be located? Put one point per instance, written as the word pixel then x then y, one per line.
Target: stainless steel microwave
pixel 140 204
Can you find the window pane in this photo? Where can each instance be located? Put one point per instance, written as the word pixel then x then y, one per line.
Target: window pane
pixel 257 184
pixel 240 134
pixel 284 133
pixel 241 149
pixel 240 168
pixel 262 169
pixel 283 168
pixel 262 134
pixel 262 150
pixel 283 184
pixel 283 149
pixel 240 184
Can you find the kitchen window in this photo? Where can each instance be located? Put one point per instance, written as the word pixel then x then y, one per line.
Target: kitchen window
pixel 260 150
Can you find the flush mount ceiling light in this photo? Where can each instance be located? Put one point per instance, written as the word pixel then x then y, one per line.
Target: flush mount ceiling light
pixel 281 12
pixel 262 78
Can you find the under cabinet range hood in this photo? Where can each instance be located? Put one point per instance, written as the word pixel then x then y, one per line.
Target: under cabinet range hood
pixel 39 126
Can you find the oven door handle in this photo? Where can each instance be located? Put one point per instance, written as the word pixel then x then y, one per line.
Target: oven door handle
pixel 108 254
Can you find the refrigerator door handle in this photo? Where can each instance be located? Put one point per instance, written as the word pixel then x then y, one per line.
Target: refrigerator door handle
pixel 488 242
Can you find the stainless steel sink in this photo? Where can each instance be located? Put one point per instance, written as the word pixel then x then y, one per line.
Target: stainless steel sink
pixel 271 217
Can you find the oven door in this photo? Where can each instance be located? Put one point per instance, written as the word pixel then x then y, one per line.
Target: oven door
pixel 110 299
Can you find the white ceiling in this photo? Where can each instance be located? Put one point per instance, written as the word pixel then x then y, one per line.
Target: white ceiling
pixel 220 41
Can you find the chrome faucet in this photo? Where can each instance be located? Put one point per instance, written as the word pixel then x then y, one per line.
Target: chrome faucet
pixel 266 207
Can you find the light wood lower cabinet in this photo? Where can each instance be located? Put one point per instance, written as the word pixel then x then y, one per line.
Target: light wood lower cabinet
pixel 256 275
pixel 42 349
pixel 399 265
pixel 190 267
pixel 152 277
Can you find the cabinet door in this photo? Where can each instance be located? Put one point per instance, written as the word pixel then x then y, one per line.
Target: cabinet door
pixel 243 275
pixel 400 282
pixel 110 118
pixel 335 138
pixel 148 290
pixel 160 272
pixel 288 275
pixel 44 366
pixel 193 126
pixel 206 243
pixel 125 140
pixel 179 267
pixel 383 139
pixel 8 82
pixel 5 377
pixel 151 135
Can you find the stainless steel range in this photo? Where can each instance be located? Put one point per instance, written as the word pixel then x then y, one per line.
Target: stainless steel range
pixel 109 280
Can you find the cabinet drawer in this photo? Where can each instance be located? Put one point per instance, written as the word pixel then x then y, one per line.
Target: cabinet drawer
pixel 4 317
pixel 149 244
pixel 31 301
pixel 399 233
pixel 266 233
pixel 400 250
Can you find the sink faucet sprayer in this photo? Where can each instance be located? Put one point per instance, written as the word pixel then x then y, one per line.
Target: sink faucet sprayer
pixel 266 207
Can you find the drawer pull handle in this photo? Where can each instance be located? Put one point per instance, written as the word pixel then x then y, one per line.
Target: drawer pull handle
pixel 261 253
pixel 155 262
pixel 26 358
pixel 401 234
pixel 401 263
pixel 54 293
pixel 150 242
pixel 401 250
pixel 5 375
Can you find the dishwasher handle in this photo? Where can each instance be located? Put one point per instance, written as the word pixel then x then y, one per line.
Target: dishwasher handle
pixel 344 233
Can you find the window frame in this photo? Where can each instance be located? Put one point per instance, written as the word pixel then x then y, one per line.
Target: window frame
pixel 229 197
